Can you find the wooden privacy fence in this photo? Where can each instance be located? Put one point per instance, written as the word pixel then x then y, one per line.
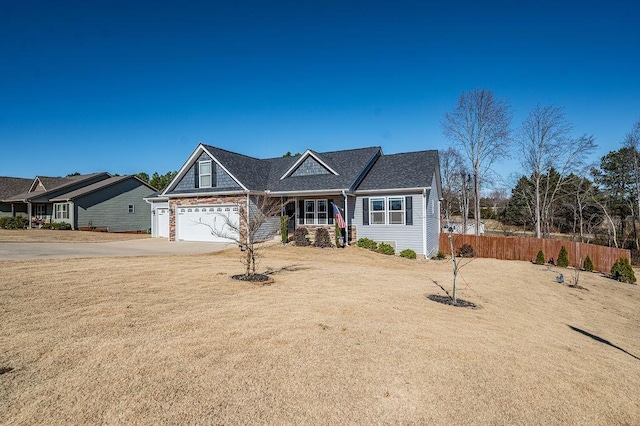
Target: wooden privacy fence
pixel 518 248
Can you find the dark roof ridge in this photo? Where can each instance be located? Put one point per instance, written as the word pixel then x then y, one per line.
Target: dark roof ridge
pixel 230 152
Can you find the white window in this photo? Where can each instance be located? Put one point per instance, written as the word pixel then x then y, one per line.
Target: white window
pixel 387 211
pixel 396 210
pixel 204 169
pixel 316 212
pixel 377 211
pixel 61 211
pixel 132 208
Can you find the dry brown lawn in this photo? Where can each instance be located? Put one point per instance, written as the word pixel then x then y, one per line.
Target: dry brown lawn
pixel 54 236
pixel 343 337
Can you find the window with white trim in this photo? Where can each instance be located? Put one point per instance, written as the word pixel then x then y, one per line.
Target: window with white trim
pixel 132 208
pixel 396 211
pixel 316 212
pixel 387 211
pixel 377 211
pixel 204 174
pixel 61 210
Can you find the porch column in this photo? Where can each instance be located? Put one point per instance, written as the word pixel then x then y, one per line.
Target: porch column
pixel 29 213
pixel 13 210
pixel 346 220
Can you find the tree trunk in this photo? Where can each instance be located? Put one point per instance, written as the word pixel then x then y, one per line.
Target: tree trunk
pixel 476 210
pixel 538 208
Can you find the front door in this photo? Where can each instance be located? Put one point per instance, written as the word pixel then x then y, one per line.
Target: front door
pixel 41 211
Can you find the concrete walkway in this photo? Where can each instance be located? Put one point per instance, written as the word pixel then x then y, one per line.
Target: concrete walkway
pixel 143 247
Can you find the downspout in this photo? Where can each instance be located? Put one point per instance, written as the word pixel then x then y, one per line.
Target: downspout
pixel 424 223
pixel 248 218
pixel 346 218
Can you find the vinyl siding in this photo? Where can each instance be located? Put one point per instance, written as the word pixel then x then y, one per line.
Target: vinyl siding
pixel 402 236
pixel 433 220
pixel 108 207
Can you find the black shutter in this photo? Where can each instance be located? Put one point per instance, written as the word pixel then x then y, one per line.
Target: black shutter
pixel 301 212
pixel 365 211
pixel 330 211
pixel 196 177
pixel 214 176
pixel 408 204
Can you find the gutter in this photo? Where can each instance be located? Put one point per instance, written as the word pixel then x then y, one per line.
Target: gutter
pixel 391 190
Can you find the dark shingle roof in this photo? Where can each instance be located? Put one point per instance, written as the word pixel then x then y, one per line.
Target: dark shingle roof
pixel 349 164
pixel 405 170
pixel 251 172
pixel 10 186
pixel 96 187
pixel 57 184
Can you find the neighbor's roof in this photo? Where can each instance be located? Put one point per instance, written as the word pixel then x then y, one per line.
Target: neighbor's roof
pixel 96 187
pixel 405 170
pixel 10 186
pixel 57 184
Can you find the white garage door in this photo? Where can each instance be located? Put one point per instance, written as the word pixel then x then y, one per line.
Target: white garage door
pixel 206 223
pixel 162 223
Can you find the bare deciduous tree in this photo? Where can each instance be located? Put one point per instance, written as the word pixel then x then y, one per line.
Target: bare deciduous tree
pixel 546 145
pixel 480 125
pixel 253 227
pixel 455 184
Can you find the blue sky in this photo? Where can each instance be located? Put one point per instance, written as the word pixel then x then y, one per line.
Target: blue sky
pixel 121 87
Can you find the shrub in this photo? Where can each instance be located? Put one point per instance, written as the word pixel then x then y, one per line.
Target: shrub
pixel 440 255
pixel 408 253
pixel 622 271
pixel 540 258
pixel 385 248
pixel 61 226
pixel 367 243
pixel 588 264
pixel 17 222
pixel 563 257
pixel 300 236
pixel 466 251
pixel 338 234
pixel 284 229
pixel 323 239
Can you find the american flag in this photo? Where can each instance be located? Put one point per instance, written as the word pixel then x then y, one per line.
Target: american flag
pixel 338 216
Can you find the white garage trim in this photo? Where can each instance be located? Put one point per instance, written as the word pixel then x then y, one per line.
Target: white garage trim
pixel 209 222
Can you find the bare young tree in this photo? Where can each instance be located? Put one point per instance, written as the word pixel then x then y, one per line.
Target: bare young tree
pixel 258 221
pixel 480 125
pixel 455 184
pixel 546 145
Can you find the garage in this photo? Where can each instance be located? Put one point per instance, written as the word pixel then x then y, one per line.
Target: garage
pixel 162 223
pixel 206 223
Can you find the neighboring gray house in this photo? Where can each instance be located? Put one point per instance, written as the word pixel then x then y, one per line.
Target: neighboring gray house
pixel 96 200
pixel 391 198
pixel 10 186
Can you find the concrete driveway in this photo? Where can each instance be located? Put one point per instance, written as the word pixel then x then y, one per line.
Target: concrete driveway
pixel 144 247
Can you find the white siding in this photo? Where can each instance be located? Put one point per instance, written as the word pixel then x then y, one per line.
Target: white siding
pixel 433 220
pixel 402 236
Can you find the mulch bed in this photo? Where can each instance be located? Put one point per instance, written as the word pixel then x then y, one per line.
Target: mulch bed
pixel 261 279
pixel 446 300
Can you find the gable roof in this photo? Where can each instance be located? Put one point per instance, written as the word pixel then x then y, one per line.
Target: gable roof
pixel 361 169
pixel 97 186
pixel 404 170
pixel 349 165
pixel 10 186
pixel 57 184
